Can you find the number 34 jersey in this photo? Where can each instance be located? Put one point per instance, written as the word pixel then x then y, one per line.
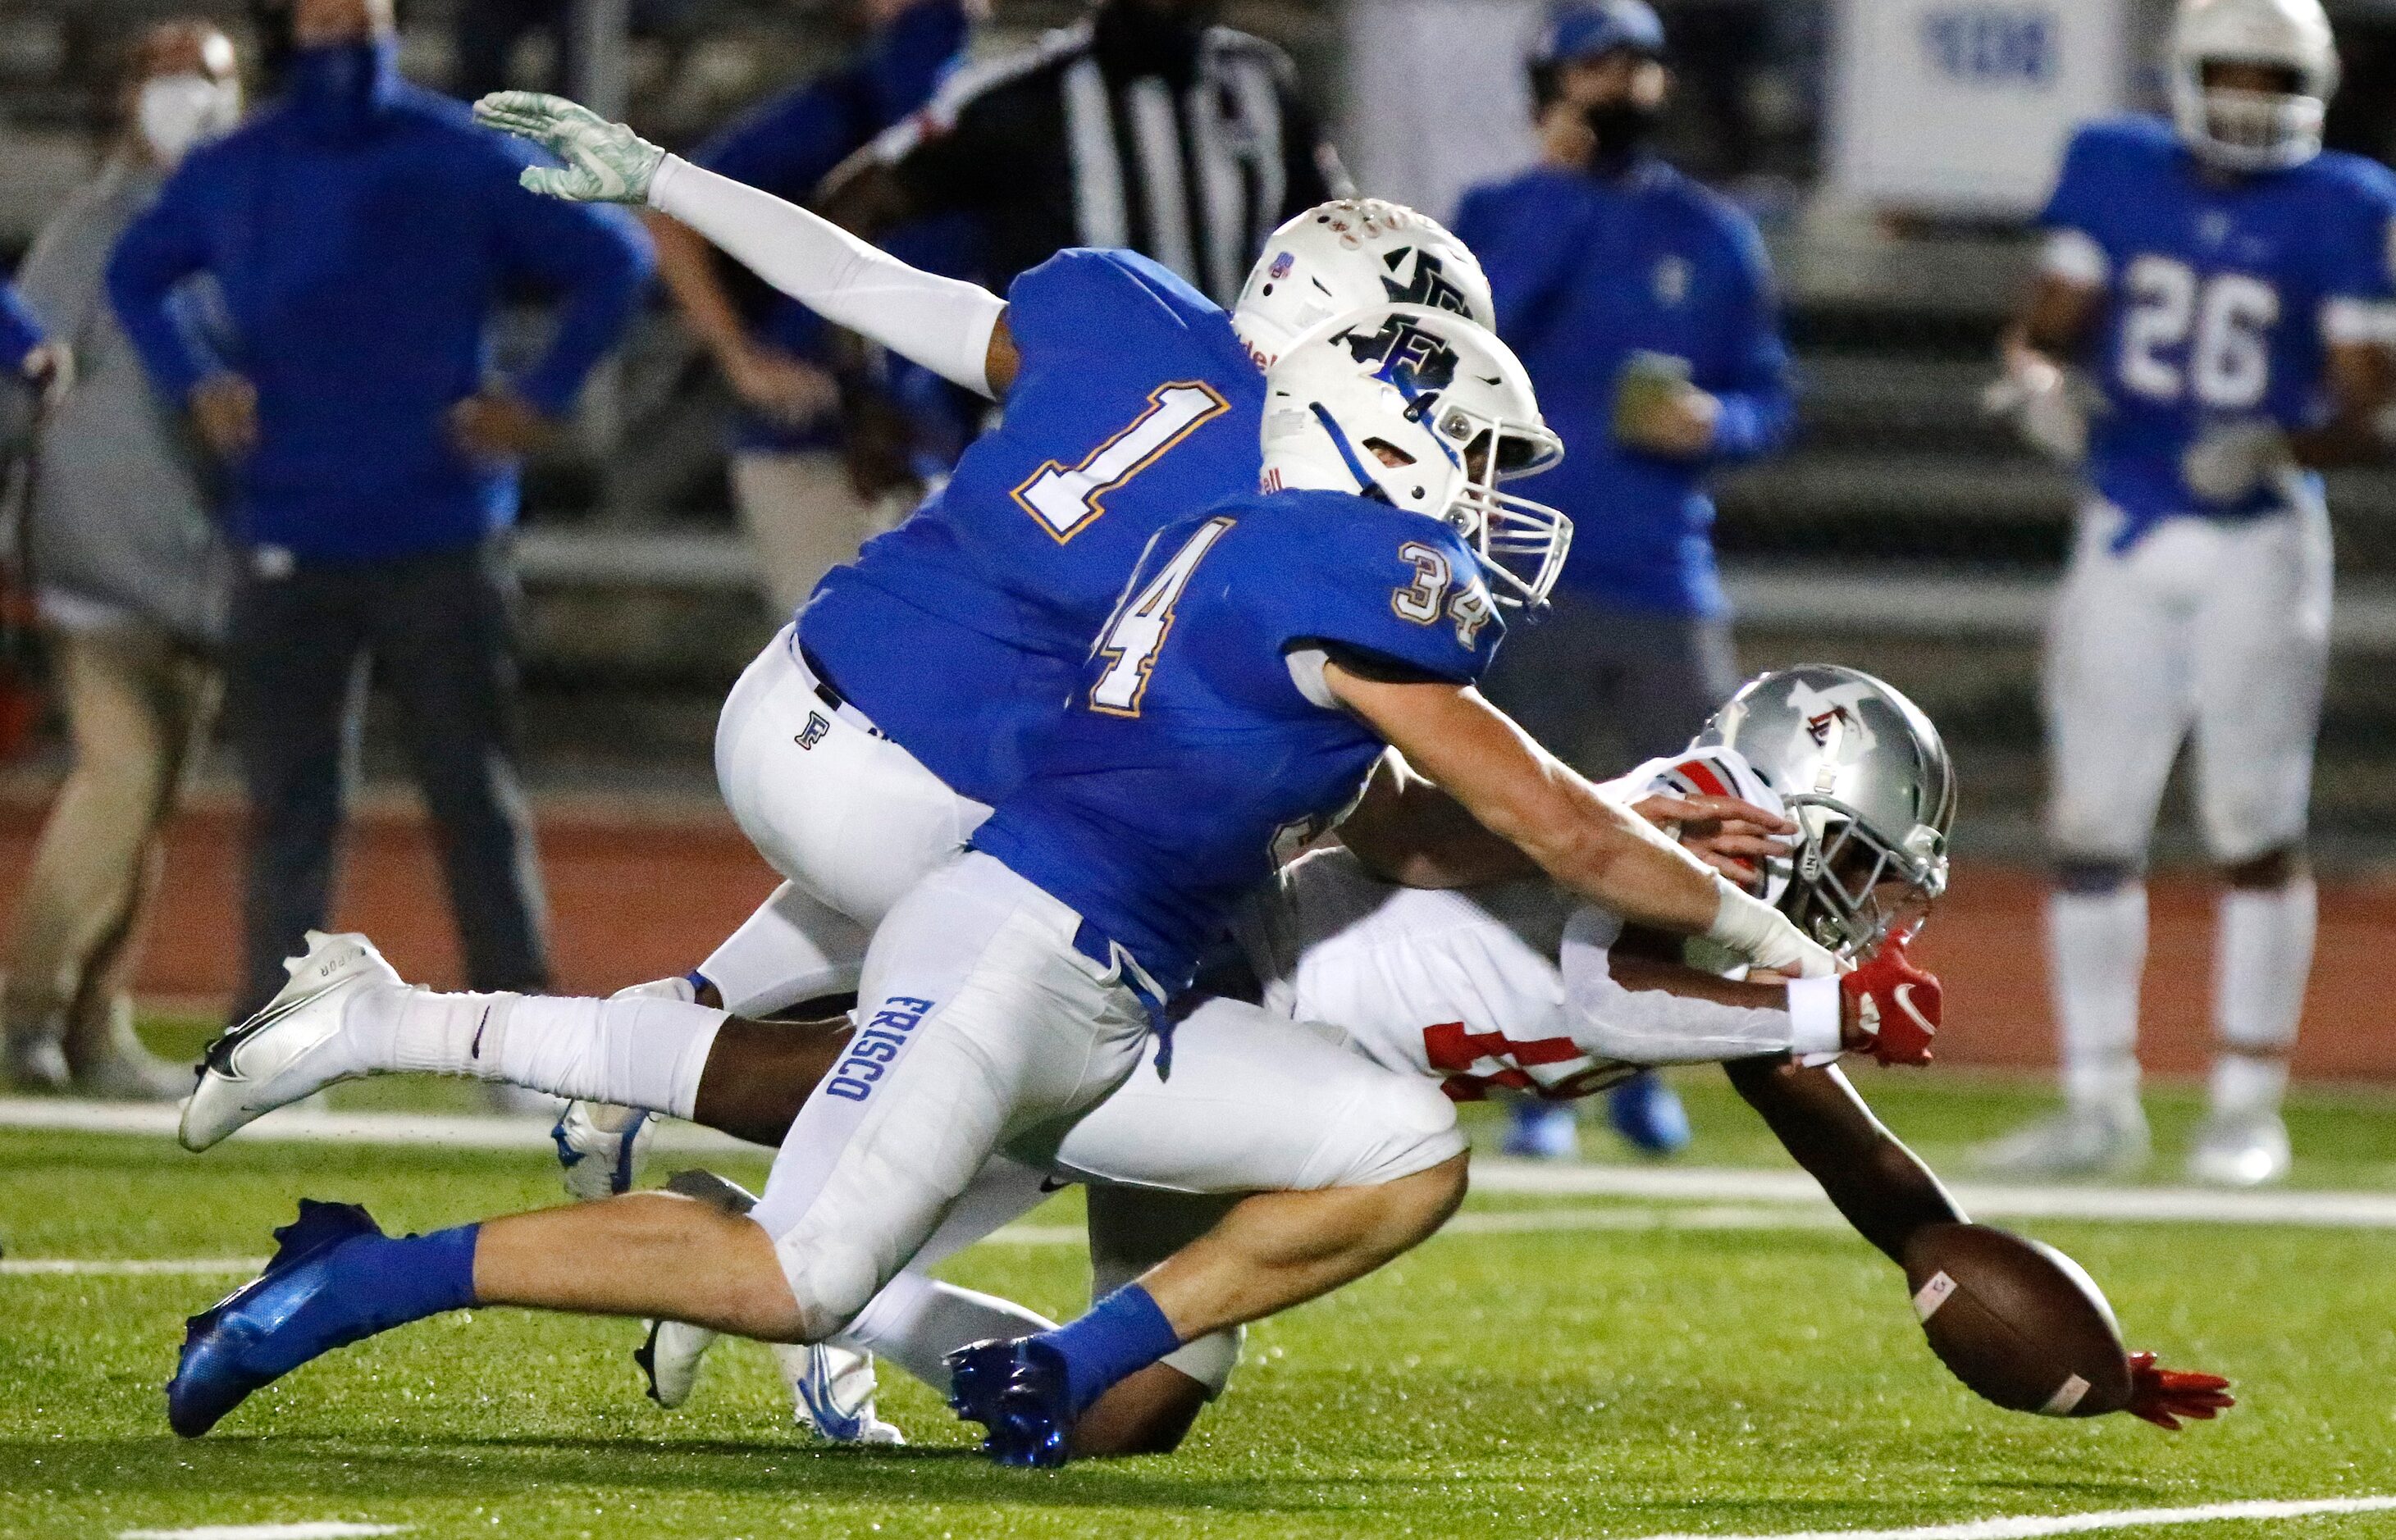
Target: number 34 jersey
pixel 960 630
pixel 1201 745
pixel 2221 296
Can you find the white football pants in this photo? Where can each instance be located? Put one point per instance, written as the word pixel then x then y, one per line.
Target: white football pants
pixel 2217 625
pixel 850 817
pixel 1256 1103
pixel 980 1029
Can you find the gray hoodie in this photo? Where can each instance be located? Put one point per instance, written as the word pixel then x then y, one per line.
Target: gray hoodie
pixel 120 514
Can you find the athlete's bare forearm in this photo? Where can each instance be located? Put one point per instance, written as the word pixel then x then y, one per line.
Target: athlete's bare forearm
pixel 1411 832
pixel 1883 1188
pixel 1519 792
pixel 2360 380
pixel 2057 319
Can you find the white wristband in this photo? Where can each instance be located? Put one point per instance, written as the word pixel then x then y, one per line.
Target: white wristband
pixel 1763 934
pixel 1814 1019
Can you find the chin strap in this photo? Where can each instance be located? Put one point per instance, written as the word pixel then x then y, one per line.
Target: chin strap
pixel 1365 485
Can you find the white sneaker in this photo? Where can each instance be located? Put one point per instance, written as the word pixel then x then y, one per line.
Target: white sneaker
pixel 599 1146
pixel 833 1394
pixel 2108 1139
pixel 670 1360
pixel 291 1049
pixel 2240 1150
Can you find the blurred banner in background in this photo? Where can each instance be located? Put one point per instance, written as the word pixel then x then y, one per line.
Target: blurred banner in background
pixel 1961 107
pixel 1436 97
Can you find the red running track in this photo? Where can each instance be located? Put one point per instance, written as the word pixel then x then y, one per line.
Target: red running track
pixel 635 896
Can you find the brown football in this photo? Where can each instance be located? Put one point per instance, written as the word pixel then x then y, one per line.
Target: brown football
pixel 2017 1322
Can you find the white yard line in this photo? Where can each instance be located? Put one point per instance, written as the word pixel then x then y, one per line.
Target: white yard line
pixel 328 1529
pixel 105 1266
pixel 1665 1184
pixel 313 1125
pixel 2031 1526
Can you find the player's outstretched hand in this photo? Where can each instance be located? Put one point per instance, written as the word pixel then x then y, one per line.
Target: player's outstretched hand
pixel 1727 834
pixel 1894 1005
pixel 604 162
pixel 2164 1396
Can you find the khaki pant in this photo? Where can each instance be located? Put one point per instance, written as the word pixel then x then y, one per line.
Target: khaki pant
pixel 803 518
pixel 139 705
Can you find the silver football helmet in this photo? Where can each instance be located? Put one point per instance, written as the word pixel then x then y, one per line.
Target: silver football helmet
pixel 1863 774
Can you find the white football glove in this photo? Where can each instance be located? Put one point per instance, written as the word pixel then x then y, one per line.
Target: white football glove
pixel 2226 465
pixel 2037 396
pixel 604 162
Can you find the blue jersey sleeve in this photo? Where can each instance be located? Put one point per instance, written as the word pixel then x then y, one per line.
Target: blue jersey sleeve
pixel 1084 301
pixel 1758 406
pixel 1329 572
pixel 2359 259
pixel 2085 187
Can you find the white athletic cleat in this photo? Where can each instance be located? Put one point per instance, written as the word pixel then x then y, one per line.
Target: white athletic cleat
pixel 832 1393
pixel 2240 1150
pixel 599 1148
pixel 600 1145
pixel 2108 1139
pixel 293 1048
pixel 670 1360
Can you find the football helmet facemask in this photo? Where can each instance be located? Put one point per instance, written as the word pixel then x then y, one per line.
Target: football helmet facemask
pixel 1346 256
pixel 1427 411
pixel 2245 129
pixel 1867 781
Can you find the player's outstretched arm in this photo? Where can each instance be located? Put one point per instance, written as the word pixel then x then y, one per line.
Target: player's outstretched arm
pixel 1580 836
pixel 1883 1188
pixel 953 328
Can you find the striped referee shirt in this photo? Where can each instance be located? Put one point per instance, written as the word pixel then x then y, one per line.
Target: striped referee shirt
pixel 1061 145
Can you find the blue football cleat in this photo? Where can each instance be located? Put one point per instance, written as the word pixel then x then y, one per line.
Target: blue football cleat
pixel 1016 1390
pixel 1648 1115
pixel 1542 1131
pixel 219 1368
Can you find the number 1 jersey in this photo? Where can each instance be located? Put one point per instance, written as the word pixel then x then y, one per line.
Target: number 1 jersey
pixel 2221 295
pixel 963 629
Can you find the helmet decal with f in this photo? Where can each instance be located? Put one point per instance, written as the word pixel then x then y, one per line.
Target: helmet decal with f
pixel 2240 124
pixel 1865 775
pixel 1349 254
pixel 1427 412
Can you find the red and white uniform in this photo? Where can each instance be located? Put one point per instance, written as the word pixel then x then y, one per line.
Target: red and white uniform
pixel 1507 986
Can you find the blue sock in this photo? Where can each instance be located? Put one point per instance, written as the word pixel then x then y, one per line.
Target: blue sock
pixel 1120 1336
pixel 373 1283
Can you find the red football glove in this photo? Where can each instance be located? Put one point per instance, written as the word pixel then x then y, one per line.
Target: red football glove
pixel 2163 1395
pixel 1894 1001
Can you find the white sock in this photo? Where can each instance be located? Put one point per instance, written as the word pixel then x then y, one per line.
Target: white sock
pixel 2096 945
pixel 792 950
pixel 2264 953
pixel 634 1052
pixel 2243 1084
pixel 916 1322
pixel 399 1028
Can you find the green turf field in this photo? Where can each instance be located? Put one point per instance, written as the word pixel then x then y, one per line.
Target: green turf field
pixel 1761 1375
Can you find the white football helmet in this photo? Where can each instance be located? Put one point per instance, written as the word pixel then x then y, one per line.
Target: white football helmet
pixel 1425 410
pixel 2247 130
pixel 1346 256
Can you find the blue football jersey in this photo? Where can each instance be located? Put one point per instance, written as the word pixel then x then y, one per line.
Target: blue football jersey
pixel 960 630
pixel 1192 758
pixel 2217 291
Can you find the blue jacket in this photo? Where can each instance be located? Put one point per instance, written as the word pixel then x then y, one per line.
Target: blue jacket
pixel 364 231
pixel 19 332
pixel 788 144
pixel 1588 271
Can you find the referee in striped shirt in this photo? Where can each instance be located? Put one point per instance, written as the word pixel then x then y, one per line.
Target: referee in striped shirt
pixel 1146 127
